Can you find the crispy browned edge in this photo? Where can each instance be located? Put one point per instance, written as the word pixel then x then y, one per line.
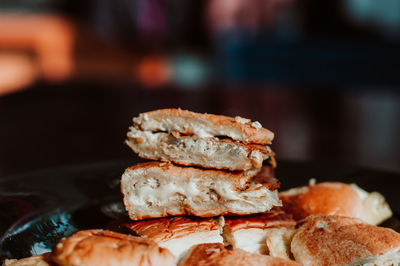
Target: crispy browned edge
pixel 259 136
pixel 163 229
pixel 276 217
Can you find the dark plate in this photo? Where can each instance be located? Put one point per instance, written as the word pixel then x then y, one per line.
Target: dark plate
pixel 38 209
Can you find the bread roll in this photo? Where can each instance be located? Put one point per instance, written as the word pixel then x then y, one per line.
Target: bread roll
pixel 102 247
pixel 335 198
pixel 339 240
pixel 216 254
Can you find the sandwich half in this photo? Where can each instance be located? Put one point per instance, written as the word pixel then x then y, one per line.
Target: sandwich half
pixel 193 139
pixel 156 189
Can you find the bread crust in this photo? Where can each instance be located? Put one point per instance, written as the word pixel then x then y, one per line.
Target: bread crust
pixel 276 217
pixel 339 240
pixel 164 229
pixel 203 125
pixel 102 247
pixel 216 254
pixel 333 198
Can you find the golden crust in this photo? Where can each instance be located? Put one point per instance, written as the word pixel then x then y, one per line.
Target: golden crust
pixel 102 247
pixel 244 131
pixel 339 240
pixel 276 217
pixel 216 254
pixel 324 198
pixel 164 229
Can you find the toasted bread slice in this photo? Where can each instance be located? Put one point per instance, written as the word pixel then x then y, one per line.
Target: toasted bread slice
pixel 203 125
pixel 155 189
pixel 205 152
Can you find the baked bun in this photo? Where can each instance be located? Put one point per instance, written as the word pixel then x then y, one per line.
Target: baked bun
pixel 38 260
pixel 203 125
pixel 177 234
pixel 336 199
pixel 205 152
pixel 216 254
pixel 339 240
pixel 155 189
pixel 102 247
pixel 324 198
pixel 262 233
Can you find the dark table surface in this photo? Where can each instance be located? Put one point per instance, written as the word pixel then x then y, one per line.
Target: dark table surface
pixel 77 122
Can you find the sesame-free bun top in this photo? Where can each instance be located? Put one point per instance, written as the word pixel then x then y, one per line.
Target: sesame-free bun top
pixel 102 247
pixel 336 198
pixel 216 254
pixel 324 198
pixel 339 240
pixel 203 125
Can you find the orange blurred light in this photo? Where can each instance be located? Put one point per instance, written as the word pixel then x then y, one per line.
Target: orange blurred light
pixel 153 71
pixel 17 71
pixel 50 37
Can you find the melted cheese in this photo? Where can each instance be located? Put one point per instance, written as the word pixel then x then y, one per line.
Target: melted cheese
pixel 145 194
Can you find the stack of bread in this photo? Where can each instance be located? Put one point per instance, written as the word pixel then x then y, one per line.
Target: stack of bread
pixel 204 166
pixel 206 199
pixel 207 165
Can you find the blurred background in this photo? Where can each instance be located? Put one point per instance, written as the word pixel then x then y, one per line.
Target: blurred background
pixel 323 75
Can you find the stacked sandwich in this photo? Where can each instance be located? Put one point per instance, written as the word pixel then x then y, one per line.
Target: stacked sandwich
pixel 204 166
pixel 228 177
